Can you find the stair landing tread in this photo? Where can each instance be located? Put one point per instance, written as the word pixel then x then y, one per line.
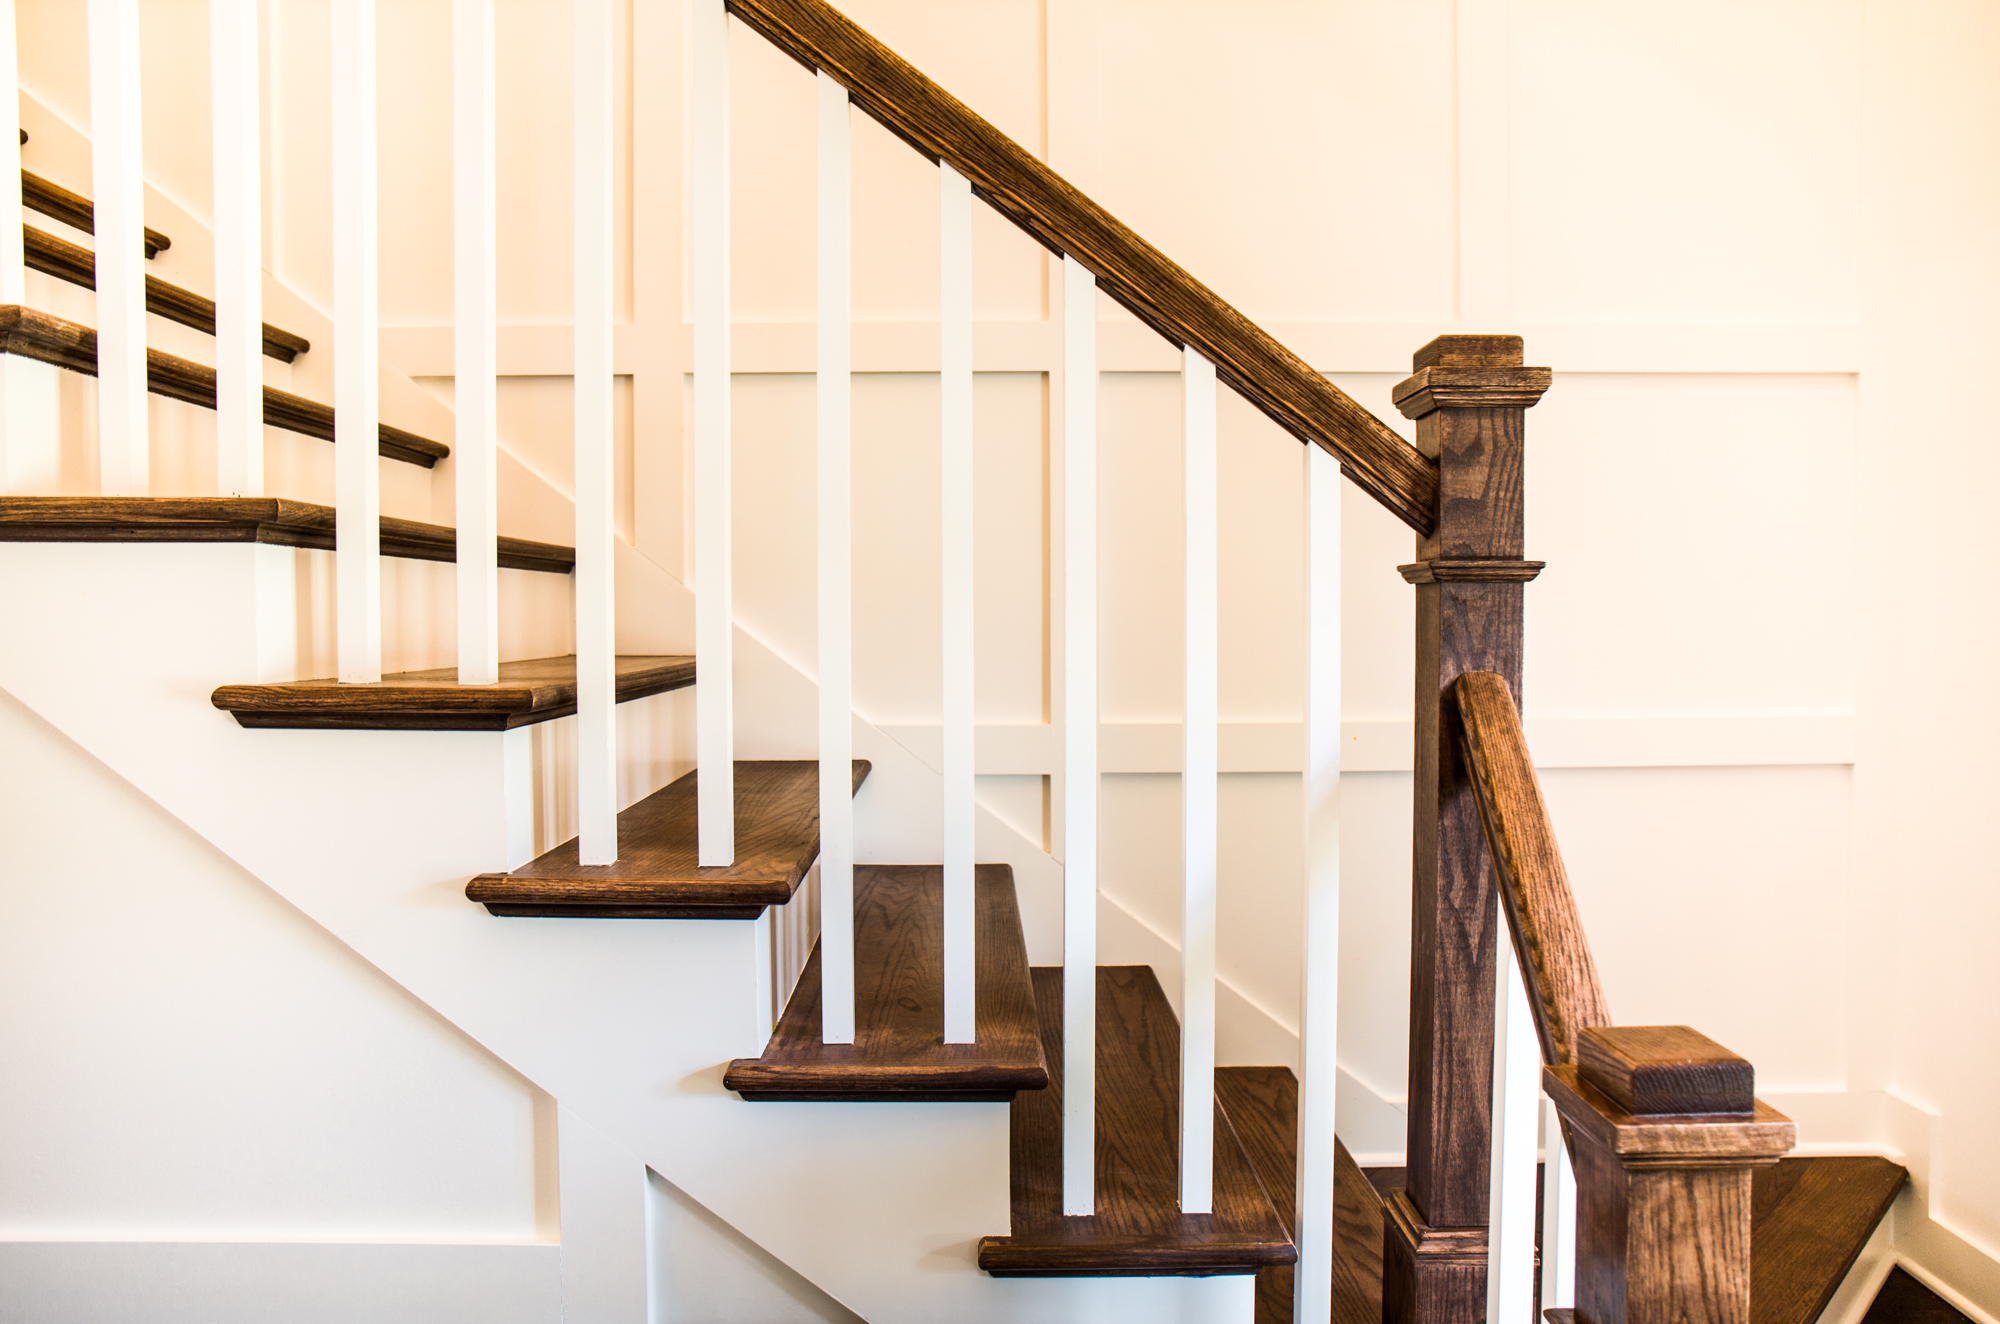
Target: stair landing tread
pixel 1809 1219
pixel 532 690
pixel 1138 1228
pixel 657 875
pixel 899 1050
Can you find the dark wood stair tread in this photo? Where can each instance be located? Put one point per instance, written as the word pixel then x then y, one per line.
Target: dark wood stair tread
pixel 33 334
pixel 1263 1107
pixel 657 877
pixel 1809 1219
pixel 899 1051
pixel 1138 1228
pixel 535 690
pixel 78 265
pixel 1904 1300
pixel 74 210
pixel 242 519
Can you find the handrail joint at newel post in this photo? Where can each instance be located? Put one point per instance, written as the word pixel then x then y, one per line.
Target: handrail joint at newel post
pixel 1467 395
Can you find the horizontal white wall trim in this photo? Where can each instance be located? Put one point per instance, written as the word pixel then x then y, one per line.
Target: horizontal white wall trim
pixel 1385 746
pixel 221 1282
pixel 1126 346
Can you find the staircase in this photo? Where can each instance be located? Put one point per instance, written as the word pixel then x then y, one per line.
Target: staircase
pixel 396 812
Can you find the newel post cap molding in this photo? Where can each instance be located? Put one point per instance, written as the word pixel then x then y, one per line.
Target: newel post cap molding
pixel 1469 372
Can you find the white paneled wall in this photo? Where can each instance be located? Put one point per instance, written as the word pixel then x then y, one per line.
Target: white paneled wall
pixel 1747 277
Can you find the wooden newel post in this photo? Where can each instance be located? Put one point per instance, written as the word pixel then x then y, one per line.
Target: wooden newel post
pixel 1665 1133
pixel 1468 395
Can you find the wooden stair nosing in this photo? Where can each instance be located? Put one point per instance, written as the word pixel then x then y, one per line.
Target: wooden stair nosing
pixel 47 338
pixel 74 210
pixel 1137 1229
pixel 273 520
pixel 1810 1219
pixel 533 690
pixel 899 1051
pixel 1263 1106
pixel 78 265
pixel 657 876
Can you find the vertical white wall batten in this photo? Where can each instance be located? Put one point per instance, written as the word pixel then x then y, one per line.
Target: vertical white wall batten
pixel 118 189
pixel 1199 769
pixel 1517 1086
pixel 1319 990
pixel 234 109
pixel 13 265
pixel 955 565
pixel 1079 738
pixel 357 496
pixel 475 349
pixel 715 788
pixel 596 638
pixel 1558 1216
pixel 835 552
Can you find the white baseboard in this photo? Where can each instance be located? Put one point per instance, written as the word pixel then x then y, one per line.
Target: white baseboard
pixel 181 1282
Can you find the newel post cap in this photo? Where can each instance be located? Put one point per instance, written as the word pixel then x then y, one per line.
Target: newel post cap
pixel 1469 372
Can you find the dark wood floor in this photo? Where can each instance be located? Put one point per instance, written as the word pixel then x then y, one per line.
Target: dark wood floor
pixel 899 1050
pixel 1904 1300
pixel 1809 1219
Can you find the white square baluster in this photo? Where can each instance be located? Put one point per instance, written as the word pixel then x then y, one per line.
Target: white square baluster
pixel 1517 1085
pixel 956 510
pixel 475 351
pixel 1319 994
pixel 596 735
pixel 1558 1214
pixel 118 202
pixel 1079 738
pixel 1199 769
pixel 836 653
pixel 14 391
pixel 356 391
pixel 715 787
pixel 234 110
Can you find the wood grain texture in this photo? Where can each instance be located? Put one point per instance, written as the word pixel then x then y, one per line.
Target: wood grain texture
pixel 74 210
pixel 1809 1219
pixel 1138 1228
pixel 657 877
pixel 1757 1137
pixel 1160 293
pixel 1664 1205
pixel 1556 963
pixel 38 335
pixel 1904 1300
pixel 1470 572
pixel 536 690
pixel 271 520
pixel 1262 1104
pixel 899 1051
pixel 78 265
pixel 1664 1069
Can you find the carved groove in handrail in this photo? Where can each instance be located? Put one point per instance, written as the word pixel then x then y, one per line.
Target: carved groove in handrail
pixel 1534 888
pixel 1157 291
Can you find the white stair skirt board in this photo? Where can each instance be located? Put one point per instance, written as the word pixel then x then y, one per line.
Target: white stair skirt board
pixel 883 1217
